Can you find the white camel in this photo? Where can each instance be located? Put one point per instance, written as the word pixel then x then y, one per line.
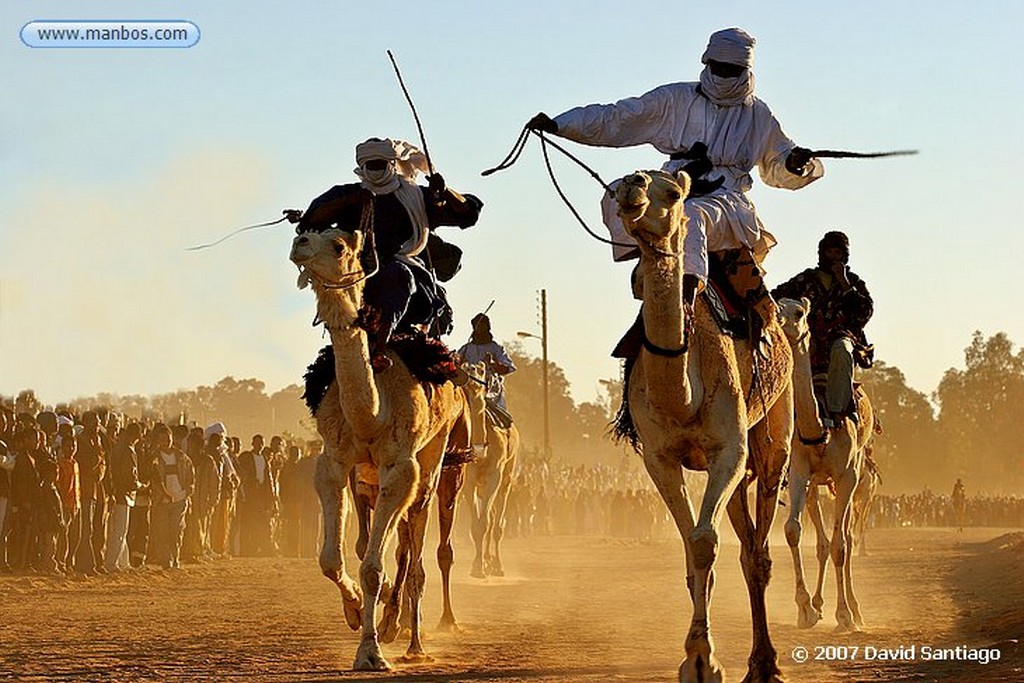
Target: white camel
pixel 488 477
pixel 821 456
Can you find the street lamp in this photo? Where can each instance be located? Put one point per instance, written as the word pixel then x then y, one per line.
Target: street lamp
pixel 543 337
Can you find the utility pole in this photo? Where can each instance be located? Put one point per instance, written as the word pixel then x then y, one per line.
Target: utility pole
pixel 543 337
pixel 544 360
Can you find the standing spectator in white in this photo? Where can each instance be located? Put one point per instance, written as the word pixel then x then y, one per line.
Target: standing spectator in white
pixel 122 485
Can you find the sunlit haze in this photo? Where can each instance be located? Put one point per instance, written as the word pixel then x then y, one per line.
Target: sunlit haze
pixel 113 162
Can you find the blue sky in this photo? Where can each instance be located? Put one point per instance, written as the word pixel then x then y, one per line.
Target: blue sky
pixel 113 161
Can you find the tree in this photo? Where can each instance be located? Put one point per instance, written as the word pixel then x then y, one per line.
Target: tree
pixel 908 448
pixel 980 414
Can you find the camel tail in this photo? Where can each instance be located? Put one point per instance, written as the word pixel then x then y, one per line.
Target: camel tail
pixel 622 427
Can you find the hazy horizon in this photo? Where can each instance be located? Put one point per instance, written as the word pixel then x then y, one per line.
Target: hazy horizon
pixel 113 162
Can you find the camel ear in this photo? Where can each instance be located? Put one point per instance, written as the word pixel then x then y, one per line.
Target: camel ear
pixel 805 303
pixel 683 178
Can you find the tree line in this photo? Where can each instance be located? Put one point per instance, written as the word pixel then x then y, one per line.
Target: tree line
pixel 971 426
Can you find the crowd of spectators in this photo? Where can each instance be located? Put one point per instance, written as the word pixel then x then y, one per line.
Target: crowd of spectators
pixel 549 498
pixel 928 509
pixel 98 493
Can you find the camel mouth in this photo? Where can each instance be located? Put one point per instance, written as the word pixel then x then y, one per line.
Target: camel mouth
pixel 633 208
pixel 302 250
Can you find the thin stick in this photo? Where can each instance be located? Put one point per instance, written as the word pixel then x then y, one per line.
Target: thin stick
pixel 415 116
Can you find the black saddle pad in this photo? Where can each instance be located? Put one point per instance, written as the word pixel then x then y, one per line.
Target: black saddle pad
pixel 731 320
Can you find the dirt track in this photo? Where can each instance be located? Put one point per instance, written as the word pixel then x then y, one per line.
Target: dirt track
pixel 570 610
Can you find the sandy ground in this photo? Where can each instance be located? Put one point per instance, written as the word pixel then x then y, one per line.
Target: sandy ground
pixel 570 610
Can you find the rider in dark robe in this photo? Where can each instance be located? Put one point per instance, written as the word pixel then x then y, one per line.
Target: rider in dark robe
pixel 400 216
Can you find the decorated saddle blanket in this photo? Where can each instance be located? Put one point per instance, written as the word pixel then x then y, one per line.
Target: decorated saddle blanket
pixel 427 358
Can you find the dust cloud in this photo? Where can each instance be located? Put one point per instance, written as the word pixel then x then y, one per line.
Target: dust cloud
pixel 98 290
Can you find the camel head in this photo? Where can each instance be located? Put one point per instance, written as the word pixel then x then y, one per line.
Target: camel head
pixel 328 258
pixel 651 204
pixel 793 316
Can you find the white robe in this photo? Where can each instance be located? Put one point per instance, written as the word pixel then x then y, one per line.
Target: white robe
pixel 672 118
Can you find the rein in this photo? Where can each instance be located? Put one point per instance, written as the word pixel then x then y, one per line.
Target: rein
pixel 513 156
pixel 287 215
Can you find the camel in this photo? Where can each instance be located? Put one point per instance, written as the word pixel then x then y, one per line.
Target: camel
pixel 390 419
pixel 488 477
pixel 821 456
pixel 364 485
pixel 704 403
pixel 867 486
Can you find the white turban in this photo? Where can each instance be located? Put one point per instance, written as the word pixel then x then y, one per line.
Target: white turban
pixel 215 428
pixel 732 46
pixel 409 160
pixel 407 163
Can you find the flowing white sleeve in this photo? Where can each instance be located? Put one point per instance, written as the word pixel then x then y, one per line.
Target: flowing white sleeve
pixel 772 162
pixel 648 119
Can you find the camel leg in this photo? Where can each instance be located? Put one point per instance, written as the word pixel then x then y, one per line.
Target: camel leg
pixel 500 505
pixel 490 493
pixel 392 620
pixel 477 523
pixel 822 546
pixel 845 485
pixel 769 454
pixel 397 482
pixel 701 542
pixel 447 496
pixel 417 516
pixel 807 616
pixel 329 481
pixel 851 598
pixel 362 508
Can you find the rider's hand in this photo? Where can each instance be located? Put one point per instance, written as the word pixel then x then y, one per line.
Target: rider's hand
pixel 797 160
pixel 839 271
pixel 437 184
pixel 543 123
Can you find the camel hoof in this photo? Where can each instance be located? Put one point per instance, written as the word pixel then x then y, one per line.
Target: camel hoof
pixel 701 670
pixel 846 627
pixel 416 658
pixel 353 616
pixel 807 618
pixel 370 658
pixel 477 573
pixel 449 625
pixel 388 628
pixel 775 677
pixel 497 571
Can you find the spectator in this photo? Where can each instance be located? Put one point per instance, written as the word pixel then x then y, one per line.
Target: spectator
pixel 258 503
pixel 122 485
pixel 92 466
pixel 172 479
pixel 68 487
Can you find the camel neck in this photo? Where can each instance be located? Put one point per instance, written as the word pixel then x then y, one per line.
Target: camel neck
pixel 360 401
pixel 808 420
pixel 663 316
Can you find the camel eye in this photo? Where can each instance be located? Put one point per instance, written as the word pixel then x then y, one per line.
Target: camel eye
pixel 338 247
pixel 799 314
pixel 674 195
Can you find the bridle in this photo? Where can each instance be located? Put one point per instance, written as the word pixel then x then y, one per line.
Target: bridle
pixel 361 275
